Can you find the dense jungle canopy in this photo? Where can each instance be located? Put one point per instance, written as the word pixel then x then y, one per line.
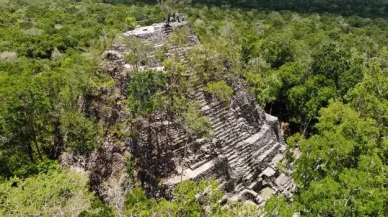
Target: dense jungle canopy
pixel 321 66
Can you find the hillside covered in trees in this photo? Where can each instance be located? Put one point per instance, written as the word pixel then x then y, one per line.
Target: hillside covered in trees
pixel 319 66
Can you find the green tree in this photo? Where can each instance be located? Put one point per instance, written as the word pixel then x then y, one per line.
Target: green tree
pixel 307 99
pixel 131 22
pixel 369 97
pixel 145 91
pixel 81 134
pixel 98 209
pixel 56 193
pixel 340 171
pixel 191 199
pixel 277 52
pixel 220 89
pixel 338 65
pixel 138 53
pixel 195 123
pixel 214 61
pixel 277 207
pixel 342 137
pixel 25 114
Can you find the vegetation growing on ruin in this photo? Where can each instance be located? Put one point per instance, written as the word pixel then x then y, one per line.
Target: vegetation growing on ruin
pixel 321 67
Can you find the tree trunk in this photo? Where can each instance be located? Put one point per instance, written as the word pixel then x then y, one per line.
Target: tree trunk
pixel 30 151
pixel 184 155
pixel 31 129
pixel 168 20
pixel 36 141
pixel 58 140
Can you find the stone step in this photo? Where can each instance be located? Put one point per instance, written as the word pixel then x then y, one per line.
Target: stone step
pixel 198 164
pixel 249 177
pixel 253 184
pixel 198 90
pixel 253 165
pixel 224 123
pixel 201 100
pixel 268 152
pixel 176 134
pixel 179 139
pixel 221 112
pixel 239 187
pixel 230 145
pixel 229 154
pixel 222 133
pixel 178 147
pixel 238 153
pixel 236 158
pixel 217 124
pixel 221 117
pixel 190 174
pixel 243 163
pixel 239 158
pixel 220 128
pixel 204 106
pixel 206 110
pixel 264 148
pixel 224 119
pixel 237 127
pixel 250 167
pixel 228 151
pixel 227 138
pixel 244 170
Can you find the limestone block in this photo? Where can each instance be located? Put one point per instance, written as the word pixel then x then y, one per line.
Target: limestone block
pixel 268 172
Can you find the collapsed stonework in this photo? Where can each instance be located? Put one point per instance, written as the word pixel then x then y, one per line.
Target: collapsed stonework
pixel 244 151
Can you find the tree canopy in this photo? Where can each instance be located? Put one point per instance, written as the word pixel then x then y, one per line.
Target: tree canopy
pixel 320 66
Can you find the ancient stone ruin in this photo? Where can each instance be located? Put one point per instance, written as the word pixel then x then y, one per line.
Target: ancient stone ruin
pixel 244 151
pixel 242 154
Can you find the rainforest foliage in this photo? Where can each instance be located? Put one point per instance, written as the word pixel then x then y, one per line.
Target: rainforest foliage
pixel 321 66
